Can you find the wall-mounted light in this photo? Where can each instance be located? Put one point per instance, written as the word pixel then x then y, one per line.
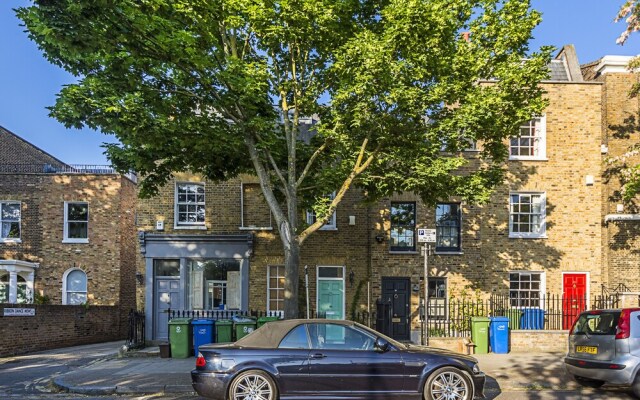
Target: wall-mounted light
pixel 140 278
pixel 352 219
pixel 352 276
pixel 379 238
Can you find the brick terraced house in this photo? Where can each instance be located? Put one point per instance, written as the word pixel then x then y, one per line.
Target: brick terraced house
pixel 67 233
pixel 549 228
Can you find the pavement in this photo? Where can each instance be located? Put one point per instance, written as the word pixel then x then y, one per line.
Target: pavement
pixel 143 372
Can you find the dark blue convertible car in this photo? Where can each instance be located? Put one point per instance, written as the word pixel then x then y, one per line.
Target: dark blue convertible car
pixel 330 359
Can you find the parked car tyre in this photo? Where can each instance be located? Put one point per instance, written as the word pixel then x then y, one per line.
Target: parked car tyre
pixel 636 386
pixel 586 382
pixel 253 385
pixel 446 383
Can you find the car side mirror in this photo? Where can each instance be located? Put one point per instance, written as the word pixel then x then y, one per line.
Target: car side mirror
pixel 381 345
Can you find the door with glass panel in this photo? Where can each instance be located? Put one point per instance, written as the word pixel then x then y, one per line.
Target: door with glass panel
pixel 166 293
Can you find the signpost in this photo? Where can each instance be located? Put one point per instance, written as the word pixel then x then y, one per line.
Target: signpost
pixel 426 236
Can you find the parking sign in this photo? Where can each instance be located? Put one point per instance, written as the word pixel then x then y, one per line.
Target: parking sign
pixel 426 235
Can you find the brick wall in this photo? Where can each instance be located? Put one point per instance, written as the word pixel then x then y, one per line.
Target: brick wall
pixel 573 217
pixel 56 326
pixel 620 124
pixel 109 257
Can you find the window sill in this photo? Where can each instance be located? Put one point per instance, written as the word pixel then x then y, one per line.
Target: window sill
pixel 255 228
pixel 448 253
pixel 75 241
pixel 528 159
pixel 527 237
pixel 190 227
pixel 3 241
pixel 328 229
pixel 412 252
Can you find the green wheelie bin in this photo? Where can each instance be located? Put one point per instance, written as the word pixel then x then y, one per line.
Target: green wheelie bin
pixel 224 331
pixel 264 320
pixel 180 337
pixel 480 334
pixel 244 325
pixel 514 315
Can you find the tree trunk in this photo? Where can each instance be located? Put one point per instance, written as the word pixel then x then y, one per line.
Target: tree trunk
pixel 291 280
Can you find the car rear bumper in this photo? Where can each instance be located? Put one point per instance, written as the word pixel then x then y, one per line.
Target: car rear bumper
pixel 608 371
pixel 210 384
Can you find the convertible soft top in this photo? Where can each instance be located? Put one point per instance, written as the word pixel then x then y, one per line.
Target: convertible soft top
pixel 271 334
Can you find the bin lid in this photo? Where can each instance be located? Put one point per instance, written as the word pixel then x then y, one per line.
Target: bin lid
pixel 180 321
pixel 499 319
pixel 274 318
pixel 224 322
pixel 202 322
pixel 480 319
pixel 243 318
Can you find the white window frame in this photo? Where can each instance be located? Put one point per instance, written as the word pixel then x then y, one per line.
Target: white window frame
pixel 541 291
pixel 280 312
pixel 65 292
pixel 66 238
pixel 8 239
pixel 188 225
pixel 539 138
pixel 331 224
pixel 543 217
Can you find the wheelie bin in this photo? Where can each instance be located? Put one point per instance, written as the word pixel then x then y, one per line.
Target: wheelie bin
pixel 224 331
pixel 499 335
pixel 180 337
pixel 203 330
pixel 480 334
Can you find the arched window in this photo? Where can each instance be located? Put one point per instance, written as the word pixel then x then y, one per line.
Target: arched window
pixel 74 288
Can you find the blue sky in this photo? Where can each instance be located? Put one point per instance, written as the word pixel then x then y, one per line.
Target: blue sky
pixel 28 83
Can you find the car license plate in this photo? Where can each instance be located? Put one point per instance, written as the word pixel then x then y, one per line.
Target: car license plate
pixel 587 349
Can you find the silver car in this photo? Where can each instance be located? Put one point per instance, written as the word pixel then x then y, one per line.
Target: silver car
pixel 604 347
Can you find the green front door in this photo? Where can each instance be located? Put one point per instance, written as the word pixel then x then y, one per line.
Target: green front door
pixel 331 292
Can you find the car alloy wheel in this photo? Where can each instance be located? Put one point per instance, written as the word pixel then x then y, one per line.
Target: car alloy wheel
pixel 448 383
pixel 253 385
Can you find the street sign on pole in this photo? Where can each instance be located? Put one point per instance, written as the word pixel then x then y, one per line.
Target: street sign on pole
pixel 426 235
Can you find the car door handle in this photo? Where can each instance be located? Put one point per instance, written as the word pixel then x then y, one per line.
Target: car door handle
pixel 317 356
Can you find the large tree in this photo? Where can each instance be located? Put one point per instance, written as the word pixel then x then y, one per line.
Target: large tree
pixel 223 87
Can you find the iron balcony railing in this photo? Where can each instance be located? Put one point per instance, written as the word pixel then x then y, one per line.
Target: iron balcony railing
pixel 63 169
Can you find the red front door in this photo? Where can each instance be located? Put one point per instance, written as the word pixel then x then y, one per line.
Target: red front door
pixel 574 297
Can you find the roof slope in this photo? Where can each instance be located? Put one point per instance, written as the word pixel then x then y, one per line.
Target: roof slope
pixel 15 150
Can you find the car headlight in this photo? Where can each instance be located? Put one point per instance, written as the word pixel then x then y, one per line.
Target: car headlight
pixel 476 369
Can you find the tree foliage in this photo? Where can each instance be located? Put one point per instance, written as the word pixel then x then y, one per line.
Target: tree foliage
pixel 224 87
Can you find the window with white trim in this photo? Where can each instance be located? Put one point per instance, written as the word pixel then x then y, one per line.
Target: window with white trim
pixel 76 222
pixel 527 215
pixel 448 223
pixel 531 143
pixel 74 287
pixel 331 222
pixel 403 226
pixel 10 220
pixel 525 289
pixel 275 288
pixel 189 205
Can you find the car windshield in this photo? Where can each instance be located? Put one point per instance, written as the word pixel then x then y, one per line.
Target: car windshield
pixel 597 323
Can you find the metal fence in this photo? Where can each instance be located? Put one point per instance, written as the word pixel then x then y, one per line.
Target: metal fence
pixel 453 317
pixel 62 169
pixel 135 332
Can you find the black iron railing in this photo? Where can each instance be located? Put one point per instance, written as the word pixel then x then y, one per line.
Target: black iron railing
pixel 62 169
pixel 135 334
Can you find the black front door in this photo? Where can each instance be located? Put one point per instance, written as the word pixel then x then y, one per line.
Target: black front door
pixel 396 292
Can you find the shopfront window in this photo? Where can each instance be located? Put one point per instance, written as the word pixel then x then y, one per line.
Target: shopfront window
pixel 214 284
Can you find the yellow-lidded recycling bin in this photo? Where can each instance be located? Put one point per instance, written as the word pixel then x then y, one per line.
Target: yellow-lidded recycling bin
pixel 264 320
pixel 244 325
pixel 224 331
pixel 480 334
pixel 180 337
